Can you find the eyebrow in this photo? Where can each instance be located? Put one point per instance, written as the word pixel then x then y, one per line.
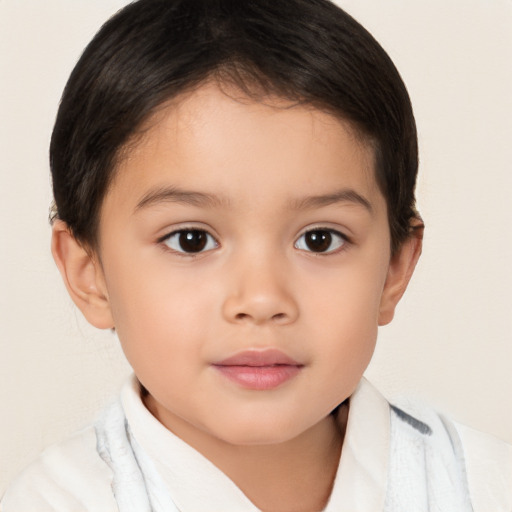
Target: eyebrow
pixel 176 195
pixel 346 195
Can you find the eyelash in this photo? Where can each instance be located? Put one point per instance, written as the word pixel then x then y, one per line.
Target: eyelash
pixel 342 240
pixel 208 240
pixel 205 242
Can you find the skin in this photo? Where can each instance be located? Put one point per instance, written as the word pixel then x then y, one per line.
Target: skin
pixel 271 172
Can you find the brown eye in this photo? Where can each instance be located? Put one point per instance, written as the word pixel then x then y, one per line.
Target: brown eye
pixel 320 240
pixel 190 241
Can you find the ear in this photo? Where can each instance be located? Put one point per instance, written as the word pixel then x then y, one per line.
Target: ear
pixel 82 275
pixel 401 268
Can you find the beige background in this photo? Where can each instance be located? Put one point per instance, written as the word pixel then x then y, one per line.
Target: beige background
pixel 451 343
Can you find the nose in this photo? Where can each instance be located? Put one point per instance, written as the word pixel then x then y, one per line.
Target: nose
pixel 259 293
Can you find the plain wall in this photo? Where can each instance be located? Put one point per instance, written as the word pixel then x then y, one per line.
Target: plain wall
pixel 451 341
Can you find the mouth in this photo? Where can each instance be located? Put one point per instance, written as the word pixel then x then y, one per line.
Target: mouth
pixel 259 369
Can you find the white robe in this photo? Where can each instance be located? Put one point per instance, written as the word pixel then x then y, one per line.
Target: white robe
pixel 391 461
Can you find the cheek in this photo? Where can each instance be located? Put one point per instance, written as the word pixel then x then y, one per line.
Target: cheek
pixel 350 341
pixel 157 310
pixel 345 312
pixel 347 297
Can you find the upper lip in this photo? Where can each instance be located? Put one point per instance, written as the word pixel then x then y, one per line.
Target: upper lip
pixel 267 357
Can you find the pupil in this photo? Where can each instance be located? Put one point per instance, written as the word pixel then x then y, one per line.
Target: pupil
pixel 318 241
pixel 193 241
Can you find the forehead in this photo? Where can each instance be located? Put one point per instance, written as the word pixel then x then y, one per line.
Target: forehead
pixel 238 148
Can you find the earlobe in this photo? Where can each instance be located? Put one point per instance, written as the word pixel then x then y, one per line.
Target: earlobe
pixel 82 275
pixel 401 268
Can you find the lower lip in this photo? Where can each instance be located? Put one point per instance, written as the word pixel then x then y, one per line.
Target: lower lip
pixel 259 377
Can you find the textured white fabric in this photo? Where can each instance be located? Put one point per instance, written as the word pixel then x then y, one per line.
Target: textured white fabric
pixel 427 467
pixel 136 485
pixel 391 461
pixel 68 477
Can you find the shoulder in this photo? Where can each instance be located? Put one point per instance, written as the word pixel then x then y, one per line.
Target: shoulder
pixel 485 461
pixel 66 476
pixel 489 469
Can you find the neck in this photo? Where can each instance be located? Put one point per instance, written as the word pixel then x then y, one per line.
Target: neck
pixel 296 475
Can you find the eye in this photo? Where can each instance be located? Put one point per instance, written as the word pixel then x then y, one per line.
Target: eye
pixel 321 240
pixel 190 241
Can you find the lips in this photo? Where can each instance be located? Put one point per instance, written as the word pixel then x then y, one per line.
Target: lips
pixel 259 369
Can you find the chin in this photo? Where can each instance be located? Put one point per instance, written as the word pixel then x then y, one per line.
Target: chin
pixel 258 432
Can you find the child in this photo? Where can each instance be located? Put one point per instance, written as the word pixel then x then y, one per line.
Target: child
pixel 234 188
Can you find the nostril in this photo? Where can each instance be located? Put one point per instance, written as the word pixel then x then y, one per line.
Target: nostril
pixel 245 316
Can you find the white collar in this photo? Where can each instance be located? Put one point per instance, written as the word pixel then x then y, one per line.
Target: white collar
pixel 361 480
pixel 196 484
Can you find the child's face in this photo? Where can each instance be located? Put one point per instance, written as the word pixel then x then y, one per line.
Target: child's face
pixel 241 184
